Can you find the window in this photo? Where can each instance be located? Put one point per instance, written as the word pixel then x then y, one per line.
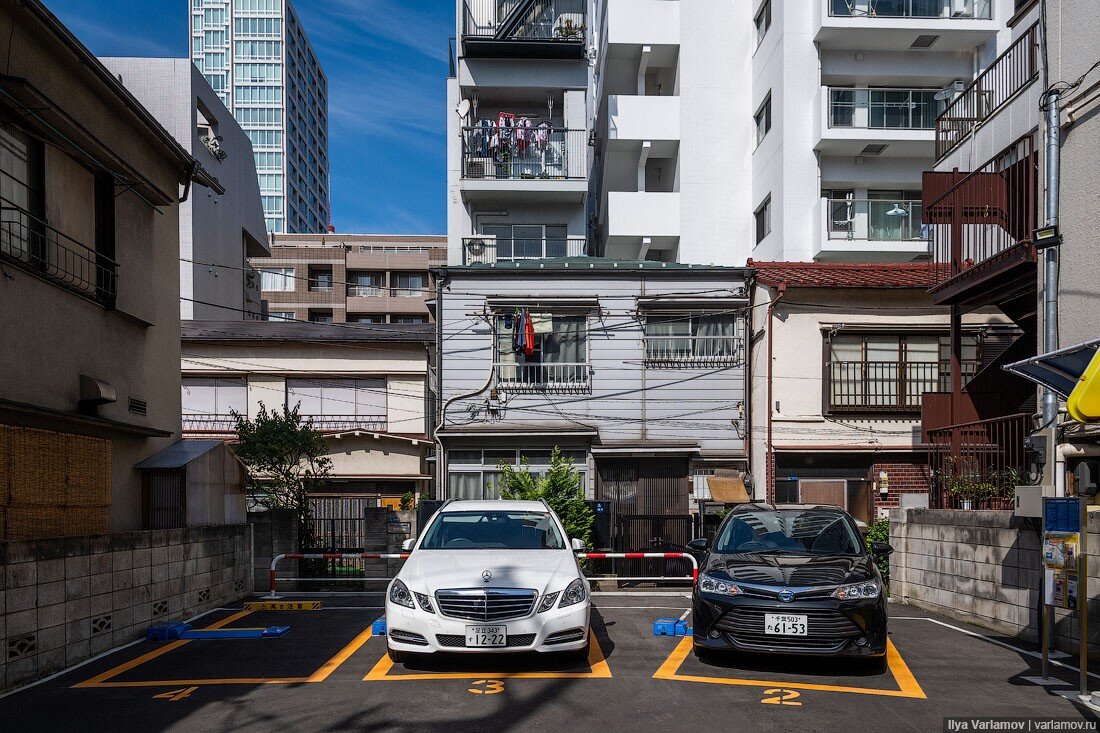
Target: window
pixel 763 118
pixel 492 530
pixel 280 315
pixel 763 217
pixel 365 284
pixel 277 280
pixel 522 242
pixel 366 318
pixel 890 371
pixel 410 285
pixel 475 474
pixel 558 358
pixel 410 319
pixel 338 404
pixel 320 279
pixel 692 339
pixel 763 20
pixel 208 402
pixel 320 315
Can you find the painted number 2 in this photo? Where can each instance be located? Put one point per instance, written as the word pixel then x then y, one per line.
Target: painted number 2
pixel 780 697
pixel 487 687
pixel 175 695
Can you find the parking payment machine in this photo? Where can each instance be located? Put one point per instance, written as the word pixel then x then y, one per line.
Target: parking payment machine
pixel 1065 568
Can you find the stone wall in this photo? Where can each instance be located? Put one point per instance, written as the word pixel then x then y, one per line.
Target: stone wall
pixel 274 532
pixel 65 600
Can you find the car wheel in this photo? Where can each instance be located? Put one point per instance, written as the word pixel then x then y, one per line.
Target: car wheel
pixel 578 656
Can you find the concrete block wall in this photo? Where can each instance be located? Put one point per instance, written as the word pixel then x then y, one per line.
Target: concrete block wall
pixel 67 599
pixel 275 532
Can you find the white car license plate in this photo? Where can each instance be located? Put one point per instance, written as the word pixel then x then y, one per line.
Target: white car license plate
pixel 483 636
pixel 785 625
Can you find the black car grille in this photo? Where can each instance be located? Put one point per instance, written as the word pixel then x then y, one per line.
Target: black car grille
pixel 459 641
pixel 826 629
pixel 564 637
pixel 407 637
pixel 488 604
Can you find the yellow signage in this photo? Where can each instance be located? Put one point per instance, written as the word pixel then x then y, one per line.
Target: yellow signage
pixel 283 606
pixel 1084 401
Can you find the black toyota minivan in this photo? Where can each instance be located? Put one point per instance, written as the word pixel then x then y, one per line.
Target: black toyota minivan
pixel 790 580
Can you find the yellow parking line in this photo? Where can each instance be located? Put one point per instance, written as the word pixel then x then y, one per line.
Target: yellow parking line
pixel 341 656
pixel 907 683
pixel 597 669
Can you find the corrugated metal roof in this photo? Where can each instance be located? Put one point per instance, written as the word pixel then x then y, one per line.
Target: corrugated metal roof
pixel 295 332
pixel 179 454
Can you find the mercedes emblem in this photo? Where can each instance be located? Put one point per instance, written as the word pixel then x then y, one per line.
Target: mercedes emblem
pixel 487 575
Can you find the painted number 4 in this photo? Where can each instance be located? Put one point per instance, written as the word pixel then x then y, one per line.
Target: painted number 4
pixel 780 697
pixel 175 695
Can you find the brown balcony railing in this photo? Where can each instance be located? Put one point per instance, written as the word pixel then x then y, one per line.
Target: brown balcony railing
pixel 887 386
pixel 487 250
pixel 29 243
pixel 982 214
pixel 1013 70
pixel 977 465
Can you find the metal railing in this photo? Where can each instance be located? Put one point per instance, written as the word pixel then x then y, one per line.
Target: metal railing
pixel 525 20
pixel 539 151
pixel 683 351
pixel 209 423
pixel 883 109
pixel 31 244
pixel 366 291
pixel 875 220
pixel 560 378
pixel 945 9
pixel 871 386
pixel 1010 73
pixel 346 422
pixel 486 250
pixel 976 465
pixel 984 213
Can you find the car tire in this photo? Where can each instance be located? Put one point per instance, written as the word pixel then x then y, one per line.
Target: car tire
pixel 578 656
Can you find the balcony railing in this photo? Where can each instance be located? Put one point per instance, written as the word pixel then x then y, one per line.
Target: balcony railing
pixel 887 386
pixel 539 151
pixel 875 220
pixel 1013 70
pixel 208 423
pixel 346 422
pixel 525 20
pixel 983 214
pixel 487 250
pixel 32 245
pixel 883 109
pixel 366 291
pixel 976 465
pixel 693 351
pixel 947 9
pixel 557 378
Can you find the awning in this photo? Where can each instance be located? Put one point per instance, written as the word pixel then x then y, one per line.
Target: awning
pixel 1059 370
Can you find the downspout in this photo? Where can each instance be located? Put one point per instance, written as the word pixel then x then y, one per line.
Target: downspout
pixel 750 287
pixel 769 454
pixel 192 168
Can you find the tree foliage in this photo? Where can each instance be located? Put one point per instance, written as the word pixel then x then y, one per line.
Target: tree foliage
pixel 560 488
pixel 285 458
pixel 879 531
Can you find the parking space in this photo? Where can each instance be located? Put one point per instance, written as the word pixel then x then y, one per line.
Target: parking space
pixel 331 673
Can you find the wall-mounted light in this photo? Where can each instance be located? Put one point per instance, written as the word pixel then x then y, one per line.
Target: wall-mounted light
pixel 1046 237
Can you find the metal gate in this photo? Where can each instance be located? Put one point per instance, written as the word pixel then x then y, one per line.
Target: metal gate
pixel 165 499
pixel 653 533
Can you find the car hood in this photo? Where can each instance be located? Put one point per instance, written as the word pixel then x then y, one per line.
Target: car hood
pixel 427 571
pixel 792 570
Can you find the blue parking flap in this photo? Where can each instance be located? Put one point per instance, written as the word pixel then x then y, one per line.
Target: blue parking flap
pixel 665 626
pixel 378 628
pixel 167 632
pixel 271 632
pixel 681 627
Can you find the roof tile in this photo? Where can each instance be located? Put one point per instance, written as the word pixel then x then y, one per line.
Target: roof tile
pixel 920 275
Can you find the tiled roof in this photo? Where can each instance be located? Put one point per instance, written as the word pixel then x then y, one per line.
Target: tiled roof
pixel 922 275
pixel 295 331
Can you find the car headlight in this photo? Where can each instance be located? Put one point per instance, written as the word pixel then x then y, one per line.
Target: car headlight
pixel 400 594
pixel 424 601
pixel 548 601
pixel 573 594
pixel 710 584
pixel 857 591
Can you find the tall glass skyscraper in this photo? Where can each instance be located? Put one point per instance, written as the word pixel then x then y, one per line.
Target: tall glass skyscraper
pixel 259 60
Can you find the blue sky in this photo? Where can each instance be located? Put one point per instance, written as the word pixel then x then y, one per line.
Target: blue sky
pixel 386 62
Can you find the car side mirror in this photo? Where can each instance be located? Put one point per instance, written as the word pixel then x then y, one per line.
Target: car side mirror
pixel 881 549
pixel 699 544
pixel 577 545
pixel 407 545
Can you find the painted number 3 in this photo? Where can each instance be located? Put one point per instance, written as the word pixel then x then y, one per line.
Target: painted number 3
pixel 487 687
pixel 780 697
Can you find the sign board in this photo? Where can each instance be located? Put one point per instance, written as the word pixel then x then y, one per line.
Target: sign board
pixel 283 606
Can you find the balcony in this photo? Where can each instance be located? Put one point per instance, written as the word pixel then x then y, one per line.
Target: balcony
pixel 886 386
pixel 1011 73
pixel 890 229
pixel 327 423
pixel 948 9
pixel 556 378
pixel 534 29
pixel 209 424
pixel 891 122
pixel 673 352
pixel 501 163
pixel 634 118
pixel 487 249
pixel 882 25
pixel 32 245
pixel 976 465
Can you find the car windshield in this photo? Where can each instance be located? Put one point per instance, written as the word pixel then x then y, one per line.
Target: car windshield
pixel 493 530
pixel 795 531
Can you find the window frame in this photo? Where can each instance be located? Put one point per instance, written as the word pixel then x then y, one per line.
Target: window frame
pixel 763 112
pixel 483 467
pixel 763 213
pixel 762 21
pixel 655 360
pixel 583 367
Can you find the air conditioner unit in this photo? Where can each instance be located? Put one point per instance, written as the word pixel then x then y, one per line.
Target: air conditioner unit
pixel 480 168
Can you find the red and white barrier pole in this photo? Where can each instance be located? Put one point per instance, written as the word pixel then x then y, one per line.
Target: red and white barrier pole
pixel 644 555
pixel 331 556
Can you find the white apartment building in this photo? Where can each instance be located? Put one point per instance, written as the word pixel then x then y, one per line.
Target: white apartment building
pixel 257 57
pixel 786 130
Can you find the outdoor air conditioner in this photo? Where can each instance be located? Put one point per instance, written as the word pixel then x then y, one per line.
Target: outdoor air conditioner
pixel 480 168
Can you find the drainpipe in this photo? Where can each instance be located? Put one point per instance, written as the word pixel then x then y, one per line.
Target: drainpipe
pixel 769 453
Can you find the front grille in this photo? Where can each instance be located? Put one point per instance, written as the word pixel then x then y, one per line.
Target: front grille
pixel 564 637
pixel 486 604
pixel 827 629
pixel 407 637
pixel 816 576
pixel 459 641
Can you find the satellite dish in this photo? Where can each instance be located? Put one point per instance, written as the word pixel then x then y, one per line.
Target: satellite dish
pixel 463 108
pixel 944 95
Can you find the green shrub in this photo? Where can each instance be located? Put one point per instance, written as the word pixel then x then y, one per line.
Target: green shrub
pixel 879 531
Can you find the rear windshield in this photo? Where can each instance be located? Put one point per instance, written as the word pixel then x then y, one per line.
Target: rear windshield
pixel 493 530
pixel 797 531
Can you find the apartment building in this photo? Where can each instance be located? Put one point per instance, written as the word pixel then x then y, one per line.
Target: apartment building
pixel 636 370
pixel 350 278
pixel 258 58
pixel 218 232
